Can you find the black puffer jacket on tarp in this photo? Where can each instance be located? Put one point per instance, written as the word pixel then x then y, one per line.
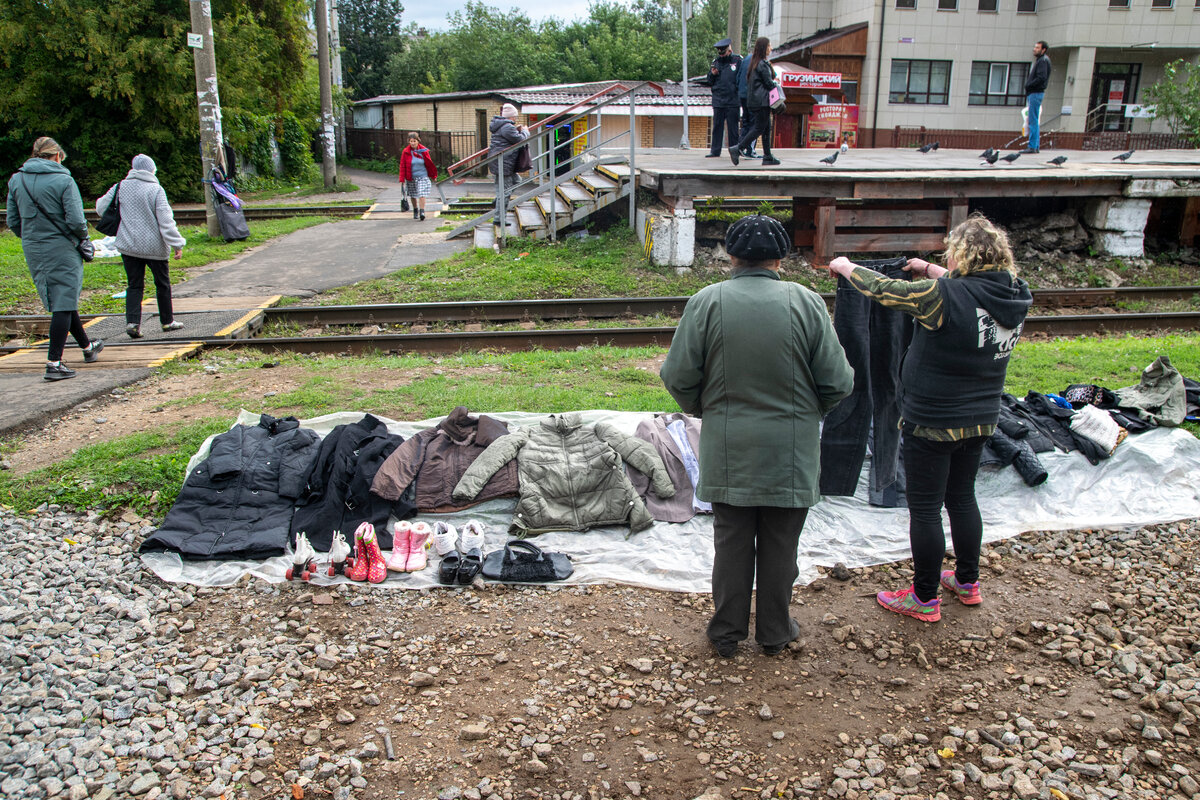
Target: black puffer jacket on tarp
pixel 238 502
pixel 337 495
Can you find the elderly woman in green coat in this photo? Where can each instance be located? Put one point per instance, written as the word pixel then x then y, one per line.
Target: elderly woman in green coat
pixel 45 211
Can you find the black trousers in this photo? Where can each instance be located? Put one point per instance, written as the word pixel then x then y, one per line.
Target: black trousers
pixel 135 275
pixel 724 119
pixel 746 125
pixel 61 323
pixel 762 127
pixel 754 542
pixel 874 338
pixel 942 473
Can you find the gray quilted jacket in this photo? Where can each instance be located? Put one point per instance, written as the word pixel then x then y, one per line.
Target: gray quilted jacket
pixel 572 476
pixel 147 223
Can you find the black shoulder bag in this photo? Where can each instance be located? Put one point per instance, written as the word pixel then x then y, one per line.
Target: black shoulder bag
pixel 110 220
pixel 86 249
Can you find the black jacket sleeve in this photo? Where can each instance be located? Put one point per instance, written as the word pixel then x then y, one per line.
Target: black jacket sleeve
pixel 1039 76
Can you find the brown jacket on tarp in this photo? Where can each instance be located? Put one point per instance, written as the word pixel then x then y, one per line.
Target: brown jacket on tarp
pixel 437 457
pixel 679 507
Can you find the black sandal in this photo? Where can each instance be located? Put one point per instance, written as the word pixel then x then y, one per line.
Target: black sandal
pixel 448 571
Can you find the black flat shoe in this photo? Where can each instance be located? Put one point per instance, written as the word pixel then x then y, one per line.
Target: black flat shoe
pixel 725 649
pixel 771 162
pixel 448 570
pixel 776 649
pixel 713 155
pixel 734 154
pixel 471 565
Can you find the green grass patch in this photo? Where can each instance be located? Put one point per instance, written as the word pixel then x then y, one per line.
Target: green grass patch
pixel 105 277
pixel 612 264
pixel 143 471
pixel 384 165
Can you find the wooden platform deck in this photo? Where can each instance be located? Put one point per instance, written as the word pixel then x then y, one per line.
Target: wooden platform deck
pixel 910 199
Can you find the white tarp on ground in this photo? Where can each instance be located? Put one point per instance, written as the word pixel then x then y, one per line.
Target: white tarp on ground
pixel 1152 477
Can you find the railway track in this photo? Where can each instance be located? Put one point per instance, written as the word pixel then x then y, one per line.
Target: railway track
pixel 195 216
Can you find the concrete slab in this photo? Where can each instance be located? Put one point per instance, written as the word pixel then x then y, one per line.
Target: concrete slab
pixel 324 257
pixel 36 401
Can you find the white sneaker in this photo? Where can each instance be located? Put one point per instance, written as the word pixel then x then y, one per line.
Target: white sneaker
pixel 445 538
pixel 472 536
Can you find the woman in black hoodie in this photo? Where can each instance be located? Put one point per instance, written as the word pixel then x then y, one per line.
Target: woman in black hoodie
pixel 969 319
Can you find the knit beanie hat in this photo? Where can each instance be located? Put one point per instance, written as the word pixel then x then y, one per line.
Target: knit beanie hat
pixel 144 163
pixel 757 238
pixel 508 110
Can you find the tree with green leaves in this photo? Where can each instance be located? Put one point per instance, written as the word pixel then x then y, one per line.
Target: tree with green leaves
pixel 370 35
pixel 1177 99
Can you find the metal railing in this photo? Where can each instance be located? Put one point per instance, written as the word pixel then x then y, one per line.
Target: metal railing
pixel 545 170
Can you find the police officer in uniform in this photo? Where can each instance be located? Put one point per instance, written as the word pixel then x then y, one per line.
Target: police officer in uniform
pixel 723 78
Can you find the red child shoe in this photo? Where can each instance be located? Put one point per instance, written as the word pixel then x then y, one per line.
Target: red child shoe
pixel 377 568
pixel 362 564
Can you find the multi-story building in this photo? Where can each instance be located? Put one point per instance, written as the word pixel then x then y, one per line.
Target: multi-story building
pixel 959 66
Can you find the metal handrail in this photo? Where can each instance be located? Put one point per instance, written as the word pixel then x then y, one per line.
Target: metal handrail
pixel 450 170
pixel 499 212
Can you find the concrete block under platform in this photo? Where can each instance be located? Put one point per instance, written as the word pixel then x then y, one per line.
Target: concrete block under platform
pixel 1119 243
pixel 668 236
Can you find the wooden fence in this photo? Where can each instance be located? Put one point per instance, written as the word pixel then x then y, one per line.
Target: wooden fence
pixel 446 147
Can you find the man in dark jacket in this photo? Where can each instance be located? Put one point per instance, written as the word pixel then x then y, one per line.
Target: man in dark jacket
pixel 1035 92
pixel 723 78
pixel 757 359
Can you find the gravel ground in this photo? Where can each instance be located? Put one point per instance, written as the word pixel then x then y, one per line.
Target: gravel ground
pixel 1077 678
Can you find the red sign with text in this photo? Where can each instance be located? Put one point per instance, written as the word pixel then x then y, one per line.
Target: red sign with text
pixel 831 124
pixel 815 82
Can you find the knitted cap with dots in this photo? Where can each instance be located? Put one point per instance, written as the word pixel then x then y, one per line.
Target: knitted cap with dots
pixel 757 238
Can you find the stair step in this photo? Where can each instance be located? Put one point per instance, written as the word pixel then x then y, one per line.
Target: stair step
pixel 596 184
pixel 529 216
pixel 485 236
pixel 618 172
pixel 545 201
pixel 572 192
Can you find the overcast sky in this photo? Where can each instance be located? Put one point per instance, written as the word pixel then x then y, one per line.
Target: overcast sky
pixel 432 15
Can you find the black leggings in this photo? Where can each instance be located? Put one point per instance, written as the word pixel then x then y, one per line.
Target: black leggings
pixel 761 127
pixel 62 322
pixel 940 473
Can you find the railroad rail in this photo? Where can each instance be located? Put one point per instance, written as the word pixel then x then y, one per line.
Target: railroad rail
pixel 499 311
pixel 656 336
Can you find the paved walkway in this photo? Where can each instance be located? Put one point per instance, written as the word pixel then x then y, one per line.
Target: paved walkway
pixel 299 264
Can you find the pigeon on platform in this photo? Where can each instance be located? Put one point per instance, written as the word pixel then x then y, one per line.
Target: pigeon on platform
pixel 991 157
pixel 987 153
pixel 1058 161
pixel 925 148
pixel 843 148
pixel 829 159
pixel 1124 156
pixel 1011 157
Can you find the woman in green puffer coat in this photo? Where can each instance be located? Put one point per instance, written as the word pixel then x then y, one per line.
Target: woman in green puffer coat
pixel 45 211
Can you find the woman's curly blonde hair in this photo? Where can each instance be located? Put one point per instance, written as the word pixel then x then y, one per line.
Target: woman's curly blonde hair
pixel 979 245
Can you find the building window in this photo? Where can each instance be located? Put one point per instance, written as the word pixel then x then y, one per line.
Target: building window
pixel 770 12
pixel 997 84
pixel 1162 3
pixel 947 5
pixel 920 82
pixel 850 92
pixel 989 5
pixel 1026 6
pixel 913 3
pixel 1118 3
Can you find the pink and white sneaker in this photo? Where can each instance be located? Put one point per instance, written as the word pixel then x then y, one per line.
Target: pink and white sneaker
pixel 401 546
pixel 905 602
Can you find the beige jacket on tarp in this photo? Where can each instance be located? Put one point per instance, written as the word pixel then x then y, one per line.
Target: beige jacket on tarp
pixel 679 507
pixel 572 476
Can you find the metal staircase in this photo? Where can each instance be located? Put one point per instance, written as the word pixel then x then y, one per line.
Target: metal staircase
pixel 555 196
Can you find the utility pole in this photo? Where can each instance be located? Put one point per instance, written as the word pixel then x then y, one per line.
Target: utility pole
pixel 685 13
pixel 336 45
pixel 328 145
pixel 735 24
pixel 205 59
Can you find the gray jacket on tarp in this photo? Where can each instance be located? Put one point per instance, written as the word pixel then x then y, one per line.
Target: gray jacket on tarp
pixel 1160 395
pixel 237 503
pixel 571 475
pixel 54 264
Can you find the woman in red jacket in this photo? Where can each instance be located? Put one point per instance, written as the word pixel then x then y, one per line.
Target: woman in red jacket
pixel 417 172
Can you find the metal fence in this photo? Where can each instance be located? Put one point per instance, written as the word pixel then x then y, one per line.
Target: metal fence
pixel 916 135
pixel 445 147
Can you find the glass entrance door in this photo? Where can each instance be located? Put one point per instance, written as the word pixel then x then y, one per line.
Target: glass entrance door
pixel 1113 87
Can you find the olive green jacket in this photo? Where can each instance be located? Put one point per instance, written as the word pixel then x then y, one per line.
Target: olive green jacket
pixel 572 476
pixel 758 360
pixel 54 264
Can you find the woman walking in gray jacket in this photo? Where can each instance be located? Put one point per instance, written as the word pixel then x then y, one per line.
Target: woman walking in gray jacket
pixel 145 239
pixel 46 213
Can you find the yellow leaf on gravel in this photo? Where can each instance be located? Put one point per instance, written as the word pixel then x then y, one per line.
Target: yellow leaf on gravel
pixel 1057 794
pixel 946 752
